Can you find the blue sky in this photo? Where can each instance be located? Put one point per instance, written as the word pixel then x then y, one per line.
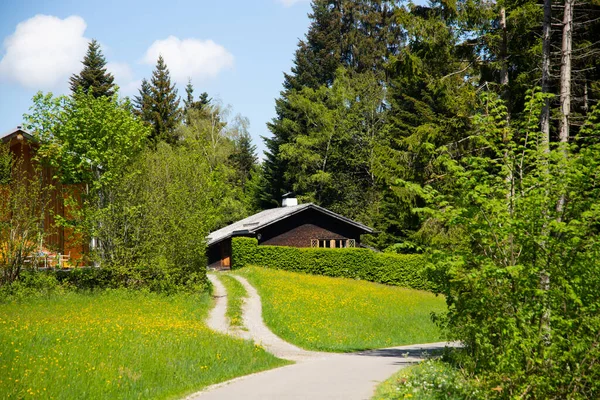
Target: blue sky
pixel 236 51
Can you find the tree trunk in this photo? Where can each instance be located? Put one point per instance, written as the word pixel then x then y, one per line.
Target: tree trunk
pixel 546 34
pixel 504 51
pixel 565 71
pixel 565 87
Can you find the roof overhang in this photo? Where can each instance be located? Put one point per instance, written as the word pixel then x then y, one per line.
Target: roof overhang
pixel 312 206
pixel 13 134
pixel 255 230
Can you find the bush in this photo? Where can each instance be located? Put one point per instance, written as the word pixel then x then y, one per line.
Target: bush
pixel 32 284
pixel 392 269
pixel 154 278
pixel 429 380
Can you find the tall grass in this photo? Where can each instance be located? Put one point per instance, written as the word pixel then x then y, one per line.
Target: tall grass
pixel 338 314
pixel 117 345
pixel 235 300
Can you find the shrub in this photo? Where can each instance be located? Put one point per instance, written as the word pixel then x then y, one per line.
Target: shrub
pixel 429 380
pixel 393 269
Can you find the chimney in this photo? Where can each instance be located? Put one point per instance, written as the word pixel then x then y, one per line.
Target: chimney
pixel 289 200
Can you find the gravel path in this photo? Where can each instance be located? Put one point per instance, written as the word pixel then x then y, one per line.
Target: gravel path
pixel 318 376
pixel 217 321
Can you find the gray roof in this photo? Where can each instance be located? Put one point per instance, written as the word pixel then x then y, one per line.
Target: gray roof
pixel 250 225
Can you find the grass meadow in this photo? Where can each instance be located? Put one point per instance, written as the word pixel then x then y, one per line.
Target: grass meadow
pixel 117 345
pixel 235 299
pixel 342 315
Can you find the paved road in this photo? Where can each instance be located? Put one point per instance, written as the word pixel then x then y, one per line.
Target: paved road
pixel 337 376
pixel 315 376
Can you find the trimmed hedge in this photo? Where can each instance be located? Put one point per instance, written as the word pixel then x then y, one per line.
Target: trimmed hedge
pixel 405 270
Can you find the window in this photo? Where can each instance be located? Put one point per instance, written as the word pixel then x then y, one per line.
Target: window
pixel 332 243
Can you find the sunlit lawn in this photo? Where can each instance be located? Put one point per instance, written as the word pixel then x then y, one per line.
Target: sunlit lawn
pixel 336 314
pixel 117 345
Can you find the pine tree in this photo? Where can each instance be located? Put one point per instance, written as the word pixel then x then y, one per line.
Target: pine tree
pixel 94 75
pixel 142 102
pixel 244 157
pixel 359 36
pixel 158 104
pixel 190 104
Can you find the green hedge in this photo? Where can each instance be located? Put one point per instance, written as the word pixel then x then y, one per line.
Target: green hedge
pixel 405 270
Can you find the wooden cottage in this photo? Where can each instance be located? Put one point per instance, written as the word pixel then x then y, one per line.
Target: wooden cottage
pixel 304 225
pixel 60 245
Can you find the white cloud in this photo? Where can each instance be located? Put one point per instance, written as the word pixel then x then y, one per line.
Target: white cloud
pixel 289 3
pixel 193 58
pixel 121 71
pixel 44 50
pixel 124 77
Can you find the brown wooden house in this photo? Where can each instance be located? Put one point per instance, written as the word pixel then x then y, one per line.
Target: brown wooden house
pixel 304 225
pixel 58 241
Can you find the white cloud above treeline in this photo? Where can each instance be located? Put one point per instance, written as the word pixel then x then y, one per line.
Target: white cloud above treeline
pixel 289 3
pixel 44 51
pixel 190 58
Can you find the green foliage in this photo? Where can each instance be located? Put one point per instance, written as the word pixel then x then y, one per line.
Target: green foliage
pixel 391 269
pixel 86 139
pixel 243 157
pixel 158 104
pixel 6 164
pixel 93 78
pixel 189 104
pixel 520 274
pixel 429 380
pixel 118 344
pixel 24 196
pixel 340 314
pixel 357 37
pixel 330 153
pixel 31 284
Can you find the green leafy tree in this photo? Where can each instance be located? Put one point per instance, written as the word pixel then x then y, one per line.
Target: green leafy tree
pixel 497 233
pixel 94 76
pixel 90 142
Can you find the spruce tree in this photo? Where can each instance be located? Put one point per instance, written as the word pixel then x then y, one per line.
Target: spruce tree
pixel 158 104
pixel 244 157
pixel 358 36
pixel 142 102
pixel 94 75
pixel 189 99
pixel 190 104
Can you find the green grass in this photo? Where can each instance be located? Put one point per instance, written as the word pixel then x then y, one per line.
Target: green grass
pixel 235 299
pixel 429 380
pixel 117 345
pixel 337 314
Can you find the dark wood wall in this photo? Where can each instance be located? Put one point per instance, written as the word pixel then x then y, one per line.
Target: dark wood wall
pixel 299 229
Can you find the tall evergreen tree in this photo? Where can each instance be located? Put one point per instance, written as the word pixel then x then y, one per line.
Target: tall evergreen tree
pixel 244 157
pixel 158 104
pixel 94 74
pixel 190 104
pixel 142 102
pixel 359 36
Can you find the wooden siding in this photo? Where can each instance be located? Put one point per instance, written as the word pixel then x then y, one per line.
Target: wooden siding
pixel 298 230
pixel 57 239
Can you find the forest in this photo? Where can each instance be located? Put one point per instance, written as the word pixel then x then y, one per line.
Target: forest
pixel 465 130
